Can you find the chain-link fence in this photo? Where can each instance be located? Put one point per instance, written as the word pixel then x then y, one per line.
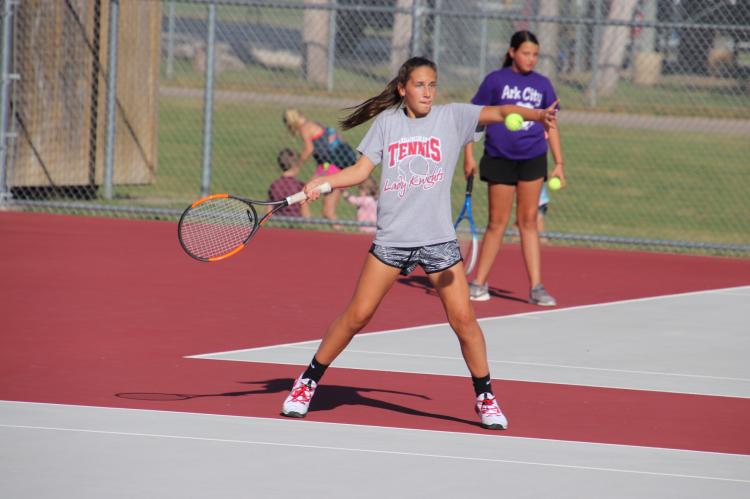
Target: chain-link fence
pixel 137 107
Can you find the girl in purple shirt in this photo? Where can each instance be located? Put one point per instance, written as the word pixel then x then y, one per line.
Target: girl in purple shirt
pixel 515 163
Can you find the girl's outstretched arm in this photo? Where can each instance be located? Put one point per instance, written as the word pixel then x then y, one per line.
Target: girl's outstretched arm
pixel 353 175
pixel 497 114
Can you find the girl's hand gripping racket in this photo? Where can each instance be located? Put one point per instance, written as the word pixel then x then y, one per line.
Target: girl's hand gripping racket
pixel 466 231
pixel 218 226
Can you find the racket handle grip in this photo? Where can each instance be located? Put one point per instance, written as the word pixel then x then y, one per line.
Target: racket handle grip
pixel 301 196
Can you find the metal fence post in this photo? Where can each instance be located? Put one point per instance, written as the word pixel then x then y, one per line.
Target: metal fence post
pixel 170 40
pixel 208 100
pixel 483 42
pixel 436 27
pixel 5 96
pixel 595 53
pixel 114 9
pixel 579 47
pixel 416 32
pixel 331 44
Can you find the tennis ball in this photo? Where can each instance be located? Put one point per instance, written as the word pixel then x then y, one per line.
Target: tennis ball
pixel 514 122
pixel 554 184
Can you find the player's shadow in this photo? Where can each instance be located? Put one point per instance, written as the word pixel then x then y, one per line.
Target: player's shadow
pixel 419 282
pixel 423 283
pixel 327 397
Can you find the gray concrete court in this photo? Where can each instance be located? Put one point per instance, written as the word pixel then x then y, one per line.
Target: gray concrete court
pixel 690 343
pixel 57 451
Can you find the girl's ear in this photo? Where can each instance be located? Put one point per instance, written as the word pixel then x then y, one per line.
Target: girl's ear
pixel 401 90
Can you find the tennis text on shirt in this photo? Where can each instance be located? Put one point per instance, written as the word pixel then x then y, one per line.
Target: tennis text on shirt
pixel 418 158
pixel 412 156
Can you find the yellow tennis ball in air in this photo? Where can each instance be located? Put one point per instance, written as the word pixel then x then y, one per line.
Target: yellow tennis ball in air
pixel 554 184
pixel 514 122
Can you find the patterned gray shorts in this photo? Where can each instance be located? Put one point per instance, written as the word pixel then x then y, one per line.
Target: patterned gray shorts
pixel 432 258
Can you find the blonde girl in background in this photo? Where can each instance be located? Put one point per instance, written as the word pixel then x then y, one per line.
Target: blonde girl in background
pixel 326 147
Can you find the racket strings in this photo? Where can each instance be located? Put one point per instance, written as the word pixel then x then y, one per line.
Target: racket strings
pixel 216 227
pixel 464 234
pixel 467 240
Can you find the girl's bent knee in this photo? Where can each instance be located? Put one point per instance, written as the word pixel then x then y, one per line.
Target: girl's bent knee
pixel 464 324
pixel 357 319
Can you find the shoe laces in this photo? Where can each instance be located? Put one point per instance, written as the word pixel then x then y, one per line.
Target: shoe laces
pixel 489 406
pixel 302 393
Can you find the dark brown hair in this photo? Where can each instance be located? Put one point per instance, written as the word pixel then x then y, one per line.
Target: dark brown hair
pixel 286 159
pixel 518 39
pixel 371 186
pixel 389 97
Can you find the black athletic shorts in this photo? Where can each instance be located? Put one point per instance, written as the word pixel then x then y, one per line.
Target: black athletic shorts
pixel 432 258
pixel 509 171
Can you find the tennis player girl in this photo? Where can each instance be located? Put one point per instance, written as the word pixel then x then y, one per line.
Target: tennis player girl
pixel 417 144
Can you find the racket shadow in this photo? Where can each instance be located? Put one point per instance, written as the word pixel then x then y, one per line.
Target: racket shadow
pixel 327 398
pixel 423 283
pixel 271 386
pixel 505 295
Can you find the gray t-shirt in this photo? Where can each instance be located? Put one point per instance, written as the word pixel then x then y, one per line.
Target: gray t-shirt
pixel 418 157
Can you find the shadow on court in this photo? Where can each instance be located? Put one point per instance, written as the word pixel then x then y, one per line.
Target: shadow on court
pixel 327 398
pixel 423 283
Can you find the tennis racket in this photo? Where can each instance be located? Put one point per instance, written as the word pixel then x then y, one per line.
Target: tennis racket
pixel 218 226
pixel 466 231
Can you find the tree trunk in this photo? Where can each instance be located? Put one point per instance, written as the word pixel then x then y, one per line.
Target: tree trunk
pixel 401 40
pixel 612 49
pixel 548 39
pixel 315 39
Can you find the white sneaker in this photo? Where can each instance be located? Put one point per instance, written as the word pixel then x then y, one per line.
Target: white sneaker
pixel 489 412
pixel 298 401
pixel 479 292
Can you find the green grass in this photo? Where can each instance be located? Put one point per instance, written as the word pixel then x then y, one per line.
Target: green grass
pixel 621 182
pixel 671 97
pixel 675 186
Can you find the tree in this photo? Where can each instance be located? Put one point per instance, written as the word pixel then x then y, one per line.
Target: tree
pixel 548 38
pixel 611 51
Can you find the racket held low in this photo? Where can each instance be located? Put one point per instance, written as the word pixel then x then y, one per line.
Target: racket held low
pixel 324 188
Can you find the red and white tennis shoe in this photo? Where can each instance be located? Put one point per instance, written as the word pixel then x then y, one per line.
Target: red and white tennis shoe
pixel 298 401
pixel 489 412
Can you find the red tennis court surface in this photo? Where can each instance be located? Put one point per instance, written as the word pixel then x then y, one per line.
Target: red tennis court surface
pixel 93 308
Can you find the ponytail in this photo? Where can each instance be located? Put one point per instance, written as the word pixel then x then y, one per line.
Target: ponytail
pixel 386 99
pixel 373 106
pixel 518 39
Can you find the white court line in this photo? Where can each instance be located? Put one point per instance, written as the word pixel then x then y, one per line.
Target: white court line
pixel 485 319
pixel 528 378
pixel 533 364
pixel 373 451
pixel 298 422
